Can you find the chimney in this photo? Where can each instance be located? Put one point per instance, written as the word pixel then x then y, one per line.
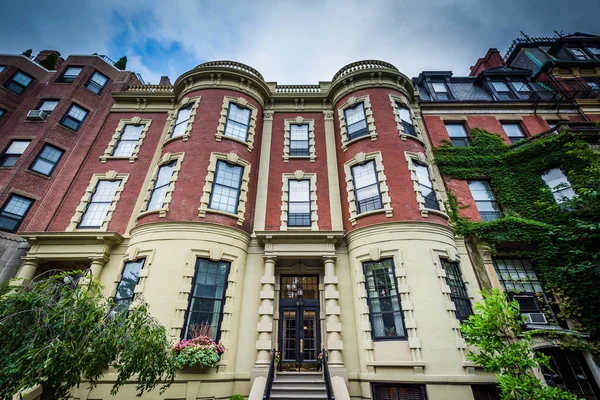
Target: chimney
pixel 165 81
pixel 491 60
pixel 45 53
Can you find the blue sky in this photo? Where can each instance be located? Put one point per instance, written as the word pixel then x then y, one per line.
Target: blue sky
pixel 288 41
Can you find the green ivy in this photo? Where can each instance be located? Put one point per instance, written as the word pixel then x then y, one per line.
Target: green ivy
pixel 562 240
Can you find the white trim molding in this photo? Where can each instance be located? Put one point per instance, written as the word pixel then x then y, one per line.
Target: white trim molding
pixel 87 198
pixel 299 120
pixel 230 158
pixel 299 175
pixel 242 102
pixel 352 101
pixel 437 186
pixel 384 191
pixel 165 159
pixel 173 118
pixel 415 117
pixel 108 153
pixel 135 254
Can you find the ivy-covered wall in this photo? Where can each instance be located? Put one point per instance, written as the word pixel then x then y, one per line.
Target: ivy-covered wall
pixel 563 241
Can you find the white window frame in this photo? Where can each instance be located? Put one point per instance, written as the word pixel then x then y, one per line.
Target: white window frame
pixel 437 186
pixel 167 158
pixel 314 217
pixel 299 120
pixel 402 101
pixel 172 119
pixel 555 191
pixel 240 102
pixel 351 102
pixel 114 141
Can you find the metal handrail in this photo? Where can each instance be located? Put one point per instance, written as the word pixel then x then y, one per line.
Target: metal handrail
pixel 270 377
pixel 327 377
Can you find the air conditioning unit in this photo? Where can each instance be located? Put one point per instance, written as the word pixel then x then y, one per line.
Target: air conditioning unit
pixel 37 115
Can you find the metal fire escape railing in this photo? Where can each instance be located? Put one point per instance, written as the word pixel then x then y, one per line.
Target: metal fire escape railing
pixel 270 377
pixel 327 377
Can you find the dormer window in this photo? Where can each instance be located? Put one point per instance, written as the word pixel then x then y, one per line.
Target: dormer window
pixel 441 91
pixel 502 90
pixel 595 52
pixel 522 88
pixel 579 54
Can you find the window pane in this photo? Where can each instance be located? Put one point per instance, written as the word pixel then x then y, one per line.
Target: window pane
pixel 17 146
pixel 77 112
pixel 17 205
pixel 355 114
pixel 184 114
pixel 128 282
pixel 300 190
pixel 48 105
pixel 500 86
pixel 42 166
pixel 456 130
pixel 439 87
pixel 224 199
pixel 299 132
pixel 105 191
pixel 124 149
pixel 94 215
pixel 364 175
pixel 47 159
pixel 422 174
pixel 481 190
pixel 228 174
pixel 99 79
pixel 158 198
pixel 164 174
pixel 239 114
pixel 521 86
pixel 513 129
pixel 72 71
pixel 132 132
pixel 22 79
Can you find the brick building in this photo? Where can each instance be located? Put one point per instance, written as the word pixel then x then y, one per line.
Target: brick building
pixel 315 210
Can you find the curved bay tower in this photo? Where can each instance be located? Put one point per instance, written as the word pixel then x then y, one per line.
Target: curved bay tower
pixel 287 217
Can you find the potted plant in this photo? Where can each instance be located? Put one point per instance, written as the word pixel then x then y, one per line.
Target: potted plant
pixel 200 350
pixel 391 331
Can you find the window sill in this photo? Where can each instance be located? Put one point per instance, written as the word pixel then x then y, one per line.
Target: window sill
pixel 104 159
pixel 388 213
pixel 406 136
pixel 30 121
pixel 219 212
pixel 39 174
pixel 391 338
pixel 245 143
pixel 162 212
pixel 67 128
pixel 92 92
pixel 358 139
pixel 300 228
pixel 426 211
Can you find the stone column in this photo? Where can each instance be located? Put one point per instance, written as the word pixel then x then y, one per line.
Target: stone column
pixel 28 269
pixel 264 344
pixel 97 266
pixel 332 314
pixel 332 170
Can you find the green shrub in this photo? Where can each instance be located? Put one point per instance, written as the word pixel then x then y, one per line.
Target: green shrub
pixel 236 397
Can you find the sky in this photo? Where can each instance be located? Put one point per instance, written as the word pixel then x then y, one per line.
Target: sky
pixel 288 41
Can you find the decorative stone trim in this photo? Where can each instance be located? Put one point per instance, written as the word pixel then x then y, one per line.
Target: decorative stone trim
pixel 299 120
pixel 87 197
pixel 166 159
pixel 215 253
pixel 172 119
pixel 451 255
pixel 134 254
pixel 108 153
pixel 242 102
pixel 231 158
pixel 361 158
pixel 370 120
pixel 416 118
pixel 437 187
pixel 410 325
pixel 299 175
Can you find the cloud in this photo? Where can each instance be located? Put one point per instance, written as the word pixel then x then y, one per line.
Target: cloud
pixel 289 41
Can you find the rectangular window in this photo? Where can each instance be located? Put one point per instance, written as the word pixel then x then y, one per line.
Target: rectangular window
pixel 407 122
pixel 441 91
pixel 519 279
pixel 593 84
pixel 398 392
pixel 13 152
pixel 19 82
pixel 426 186
pixel 513 131
pixel 595 51
pixel 159 192
pixel 101 200
pixel 13 212
pixel 579 54
pixel 458 290
pixel 356 121
pixel 48 105
pixel 523 89
pixel 458 134
pixel 502 90
pixel 226 187
pixel 485 392
pixel 183 116
pixel 207 297
pixel 129 280
pixel 74 117
pixel 238 122
pixel 70 74
pixel 559 185
pixel 299 140
pixel 129 139
pixel 366 187
pixel 299 203
pixel 97 82
pixel 384 301
pixel 47 160
pixel 485 201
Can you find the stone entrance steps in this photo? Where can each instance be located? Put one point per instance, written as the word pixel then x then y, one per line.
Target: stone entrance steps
pixel 299 386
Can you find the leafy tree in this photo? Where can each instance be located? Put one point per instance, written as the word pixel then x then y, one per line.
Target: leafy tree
pixel 504 349
pixel 122 63
pixel 27 53
pixel 59 330
pixel 50 61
